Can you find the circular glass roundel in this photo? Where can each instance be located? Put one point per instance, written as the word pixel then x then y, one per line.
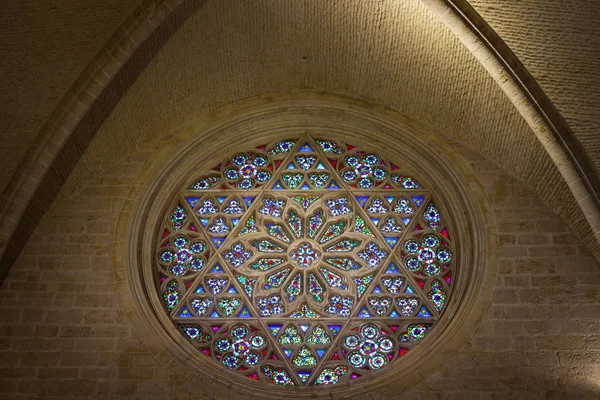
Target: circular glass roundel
pixel 305 262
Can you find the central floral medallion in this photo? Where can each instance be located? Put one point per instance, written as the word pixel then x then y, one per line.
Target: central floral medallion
pixel 305 255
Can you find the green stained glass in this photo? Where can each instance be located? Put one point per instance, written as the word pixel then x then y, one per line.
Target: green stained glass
pixel 228 306
pixel 276 279
pixel 361 227
pixel 205 183
pixel 318 180
pixel 290 336
pixel 437 295
pixel 265 264
pixel 292 180
pixel 315 289
pixel 278 231
pixel 318 337
pixel 335 281
pixel 247 284
pixel 331 376
pixel 278 376
pixel 332 231
pixel 329 146
pixel 282 147
pixel 314 224
pixel 305 201
pixel 304 312
pixel 249 227
pixel 345 264
pixel 304 358
pixel 266 246
pixel 294 288
pixel 295 224
pixel 343 246
pixel 362 284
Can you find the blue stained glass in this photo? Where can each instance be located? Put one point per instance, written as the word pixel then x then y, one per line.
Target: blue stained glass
pixel 363 313
pixel 244 313
pixel 424 313
pixel 278 186
pixel 418 200
pixel 192 201
pixel 362 200
pixel 185 313
pixel 306 148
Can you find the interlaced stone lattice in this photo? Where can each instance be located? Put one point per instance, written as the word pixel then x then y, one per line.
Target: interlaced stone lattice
pixel 306 261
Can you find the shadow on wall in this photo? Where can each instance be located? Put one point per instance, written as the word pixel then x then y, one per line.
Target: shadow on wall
pixel 83 134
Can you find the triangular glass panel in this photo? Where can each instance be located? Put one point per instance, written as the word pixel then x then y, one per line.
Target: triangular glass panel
pixel 406 221
pixel 303 375
pixel 247 284
pixel 232 290
pixel 193 201
pixel 214 315
pixel 389 199
pixel 306 148
pixel 244 313
pixel 409 290
pixel 424 313
pixel 320 166
pixel 287 352
pixel 277 186
pixel 320 352
pixel 363 313
pixel 362 283
pixel 392 269
pixel 362 200
pixel 305 187
pixel 274 328
pixel 291 166
pixel 333 185
pixel 394 314
pixel 185 313
pixel 204 221
pixel 235 221
pixel 217 269
pixel 391 241
pixel 361 227
pixel 248 200
pixel 218 241
pixel 200 289
pixel 304 328
pixel 335 329
pixel 376 289
pixel 418 200
pixel 221 199
pixel 375 221
pixel 249 227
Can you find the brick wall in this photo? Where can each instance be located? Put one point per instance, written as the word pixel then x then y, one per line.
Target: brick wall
pixel 62 334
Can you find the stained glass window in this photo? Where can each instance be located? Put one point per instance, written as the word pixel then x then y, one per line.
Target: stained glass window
pixel 307 261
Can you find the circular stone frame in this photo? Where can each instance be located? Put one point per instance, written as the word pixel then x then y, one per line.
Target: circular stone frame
pixel 251 123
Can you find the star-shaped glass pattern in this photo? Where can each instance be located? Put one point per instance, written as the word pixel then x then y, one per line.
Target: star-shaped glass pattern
pixel 306 261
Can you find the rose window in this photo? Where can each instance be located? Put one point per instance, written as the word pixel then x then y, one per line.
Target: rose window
pixel 305 262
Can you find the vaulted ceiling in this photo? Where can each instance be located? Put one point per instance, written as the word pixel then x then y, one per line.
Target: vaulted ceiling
pixel 201 55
